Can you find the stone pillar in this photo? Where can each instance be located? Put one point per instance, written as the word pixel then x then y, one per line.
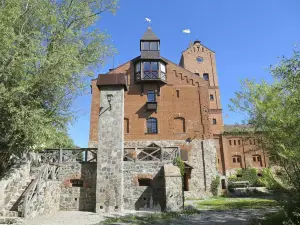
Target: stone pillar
pixel 173 185
pixel 109 193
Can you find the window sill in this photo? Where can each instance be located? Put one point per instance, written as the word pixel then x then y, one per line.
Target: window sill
pixel 151 133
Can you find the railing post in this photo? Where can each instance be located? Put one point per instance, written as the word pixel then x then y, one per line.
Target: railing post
pixel 60 155
pixel 86 155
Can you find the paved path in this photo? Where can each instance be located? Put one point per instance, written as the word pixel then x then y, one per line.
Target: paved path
pixel 206 217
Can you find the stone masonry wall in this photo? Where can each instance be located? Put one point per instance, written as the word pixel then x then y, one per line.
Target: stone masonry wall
pixel 109 193
pixel 144 198
pixel 201 156
pixel 12 183
pixel 173 187
pixel 78 198
pixel 47 201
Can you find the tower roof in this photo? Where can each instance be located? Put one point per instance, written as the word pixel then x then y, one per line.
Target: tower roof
pixel 149 36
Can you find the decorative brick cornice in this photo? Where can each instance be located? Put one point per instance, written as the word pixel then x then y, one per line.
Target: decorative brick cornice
pixel 215 111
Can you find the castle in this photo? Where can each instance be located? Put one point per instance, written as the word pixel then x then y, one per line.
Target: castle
pixel 177 106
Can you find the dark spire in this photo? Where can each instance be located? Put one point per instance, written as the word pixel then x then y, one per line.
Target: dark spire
pixel 149 36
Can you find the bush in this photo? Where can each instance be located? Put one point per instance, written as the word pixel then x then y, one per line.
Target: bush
pixel 250 174
pixel 215 185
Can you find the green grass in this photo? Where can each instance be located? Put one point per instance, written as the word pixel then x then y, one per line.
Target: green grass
pixel 152 218
pixel 223 203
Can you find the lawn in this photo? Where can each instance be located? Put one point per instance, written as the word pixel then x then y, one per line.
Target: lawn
pixel 223 203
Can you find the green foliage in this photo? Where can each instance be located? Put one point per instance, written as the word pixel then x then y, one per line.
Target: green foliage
pixel 48 53
pixel 215 184
pixel 273 109
pixel 251 174
pixel 178 162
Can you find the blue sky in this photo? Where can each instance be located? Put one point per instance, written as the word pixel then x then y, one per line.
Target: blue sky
pixel 247 36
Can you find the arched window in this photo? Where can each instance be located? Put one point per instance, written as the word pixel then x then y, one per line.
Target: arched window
pixel 179 125
pixel 152 125
pixel 126 125
pixel 151 96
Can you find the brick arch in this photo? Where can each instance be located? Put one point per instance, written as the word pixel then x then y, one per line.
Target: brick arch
pixel 179 125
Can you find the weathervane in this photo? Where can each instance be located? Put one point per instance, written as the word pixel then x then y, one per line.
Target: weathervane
pixel 148 20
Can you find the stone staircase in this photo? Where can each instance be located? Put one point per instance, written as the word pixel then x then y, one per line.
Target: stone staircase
pixel 11 214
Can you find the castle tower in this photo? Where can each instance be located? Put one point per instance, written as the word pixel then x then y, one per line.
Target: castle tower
pixel 201 61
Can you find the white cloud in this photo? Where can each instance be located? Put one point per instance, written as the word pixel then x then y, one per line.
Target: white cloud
pixel 148 20
pixel 186 31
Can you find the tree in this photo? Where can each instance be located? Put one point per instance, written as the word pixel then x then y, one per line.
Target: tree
pixel 49 50
pixel 274 110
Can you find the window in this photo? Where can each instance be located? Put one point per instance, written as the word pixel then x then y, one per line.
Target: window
pixel 236 159
pixel 150 45
pixel 234 142
pixel 197 74
pixel 153 45
pixel 150 70
pixel 151 96
pixel 199 59
pixel 214 121
pixel 229 142
pixel 223 184
pixel 144 182
pixel 126 125
pixel 254 159
pixel 76 183
pixel 152 126
pixel 239 141
pixel 179 125
pixel 138 67
pixel 205 76
pixel 146 45
pixel 177 93
pixel 211 97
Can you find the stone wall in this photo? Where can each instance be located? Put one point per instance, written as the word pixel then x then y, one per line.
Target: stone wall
pixel 12 183
pixel 109 192
pixel 78 198
pixel 201 156
pixel 47 201
pixel 144 198
pixel 173 188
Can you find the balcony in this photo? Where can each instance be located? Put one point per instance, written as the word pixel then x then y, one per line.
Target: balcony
pixel 150 76
pixel 151 106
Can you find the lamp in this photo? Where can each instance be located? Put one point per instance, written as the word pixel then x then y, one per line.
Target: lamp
pixel 109 97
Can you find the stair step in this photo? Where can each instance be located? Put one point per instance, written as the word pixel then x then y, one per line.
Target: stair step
pixel 10 220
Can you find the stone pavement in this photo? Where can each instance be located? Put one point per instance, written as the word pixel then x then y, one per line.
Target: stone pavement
pixel 206 217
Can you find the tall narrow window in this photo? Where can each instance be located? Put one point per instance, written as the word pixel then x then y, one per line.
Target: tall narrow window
pixel 179 125
pixel 177 93
pixel 234 142
pixel 205 76
pixel 211 97
pixel 214 121
pixel 152 126
pixel 151 96
pixel 229 142
pixel 239 141
pixel 126 125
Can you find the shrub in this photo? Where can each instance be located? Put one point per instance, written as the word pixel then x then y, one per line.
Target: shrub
pixel 215 185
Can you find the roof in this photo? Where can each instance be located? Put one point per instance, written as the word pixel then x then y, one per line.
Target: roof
pixel 112 80
pixel 239 129
pixel 149 36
